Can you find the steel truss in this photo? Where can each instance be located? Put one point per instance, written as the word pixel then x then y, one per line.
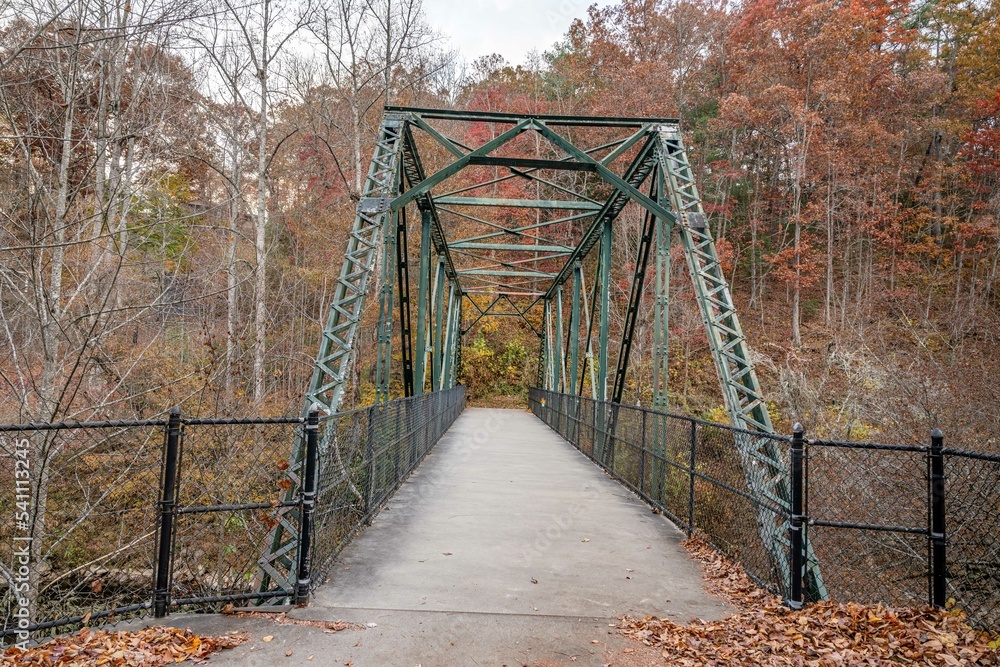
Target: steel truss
pixel 510 269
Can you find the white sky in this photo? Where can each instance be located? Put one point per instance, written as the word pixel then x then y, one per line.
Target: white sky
pixel 511 28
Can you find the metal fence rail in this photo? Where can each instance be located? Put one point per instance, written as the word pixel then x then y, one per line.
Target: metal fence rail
pixel 365 455
pixel 145 516
pixel 896 524
pixel 687 468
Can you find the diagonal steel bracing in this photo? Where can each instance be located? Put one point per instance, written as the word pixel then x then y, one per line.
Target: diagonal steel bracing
pixel 331 369
pixel 764 469
pixel 577 195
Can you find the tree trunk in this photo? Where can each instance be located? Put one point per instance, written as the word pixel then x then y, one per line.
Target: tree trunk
pixel 260 241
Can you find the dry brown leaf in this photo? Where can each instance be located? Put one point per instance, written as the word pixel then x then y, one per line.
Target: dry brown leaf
pixel 151 647
pixel 765 632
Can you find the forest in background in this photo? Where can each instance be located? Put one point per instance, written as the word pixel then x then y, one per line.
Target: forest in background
pixel 179 178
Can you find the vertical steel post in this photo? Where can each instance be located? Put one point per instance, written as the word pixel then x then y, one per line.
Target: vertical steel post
pixel 168 505
pixel 603 344
pixel 938 534
pixel 546 346
pixel 383 365
pixel 307 505
pixel 796 520
pixel 420 355
pixel 449 339
pixel 661 305
pixel 574 330
pixel 574 351
pixel 439 281
pixel 403 286
pixel 560 374
pixel 457 368
pixel 605 297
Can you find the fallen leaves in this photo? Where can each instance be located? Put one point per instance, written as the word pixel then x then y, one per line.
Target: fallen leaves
pixel 150 647
pixel 765 632
pixel 280 618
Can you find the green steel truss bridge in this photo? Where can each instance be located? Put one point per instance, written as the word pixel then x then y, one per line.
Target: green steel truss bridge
pixel 545 260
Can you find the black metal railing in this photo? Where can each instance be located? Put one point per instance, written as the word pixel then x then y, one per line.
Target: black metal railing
pixel 145 516
pixel 896 524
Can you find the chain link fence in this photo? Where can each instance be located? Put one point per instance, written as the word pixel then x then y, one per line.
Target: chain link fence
pixel 690 470
pixel 868 507
pixel 81 506
pixel 365 456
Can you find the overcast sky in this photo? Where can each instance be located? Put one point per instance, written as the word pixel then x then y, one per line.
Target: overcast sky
pixel 511 28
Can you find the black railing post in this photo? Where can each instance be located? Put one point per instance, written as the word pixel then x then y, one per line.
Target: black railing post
pixel 168 502
pixel 938 534
pixel 795 521
pixel 307 505
pixel 691 461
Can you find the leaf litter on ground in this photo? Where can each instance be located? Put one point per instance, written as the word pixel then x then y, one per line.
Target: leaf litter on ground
pixel 766 632
pixel 149 647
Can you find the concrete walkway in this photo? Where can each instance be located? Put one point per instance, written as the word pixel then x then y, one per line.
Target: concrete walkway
pixel 505 547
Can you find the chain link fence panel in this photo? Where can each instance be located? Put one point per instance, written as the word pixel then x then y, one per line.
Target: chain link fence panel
pixel 84 499
pixel 868 506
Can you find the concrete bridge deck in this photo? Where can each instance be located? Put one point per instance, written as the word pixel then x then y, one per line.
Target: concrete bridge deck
pixel 505 547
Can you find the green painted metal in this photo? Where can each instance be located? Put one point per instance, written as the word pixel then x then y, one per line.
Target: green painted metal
pixel 632 312
pixel 438 332
pixel 611 177
pixel 457 364
pixel 622 148
pixel 551 119
pixel 635 175
pixel 588 314
pixel 661 307
pixel 763 466
pixel 529 163
pixel 403 288
pixel 574 330
pixel 546 345
pixel 655 146
pixel 449 144
pixel 495 202
pixel 495 272
pixel 331 370
pixel 458 165
pixel 511 247
pixel 414 171
pixel 385 306
pixel 517 231
pixel 601 419
pixel 661 330
pixel 455 351
pixel 449 339
pixel 603 330
pixel 420 355
pixel 560 368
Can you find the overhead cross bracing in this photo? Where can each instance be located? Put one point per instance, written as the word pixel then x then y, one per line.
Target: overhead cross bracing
pixel 514 215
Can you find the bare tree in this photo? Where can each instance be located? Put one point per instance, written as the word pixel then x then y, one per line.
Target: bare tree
pixel 91 104
pixel 254 40
pixel 373 50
